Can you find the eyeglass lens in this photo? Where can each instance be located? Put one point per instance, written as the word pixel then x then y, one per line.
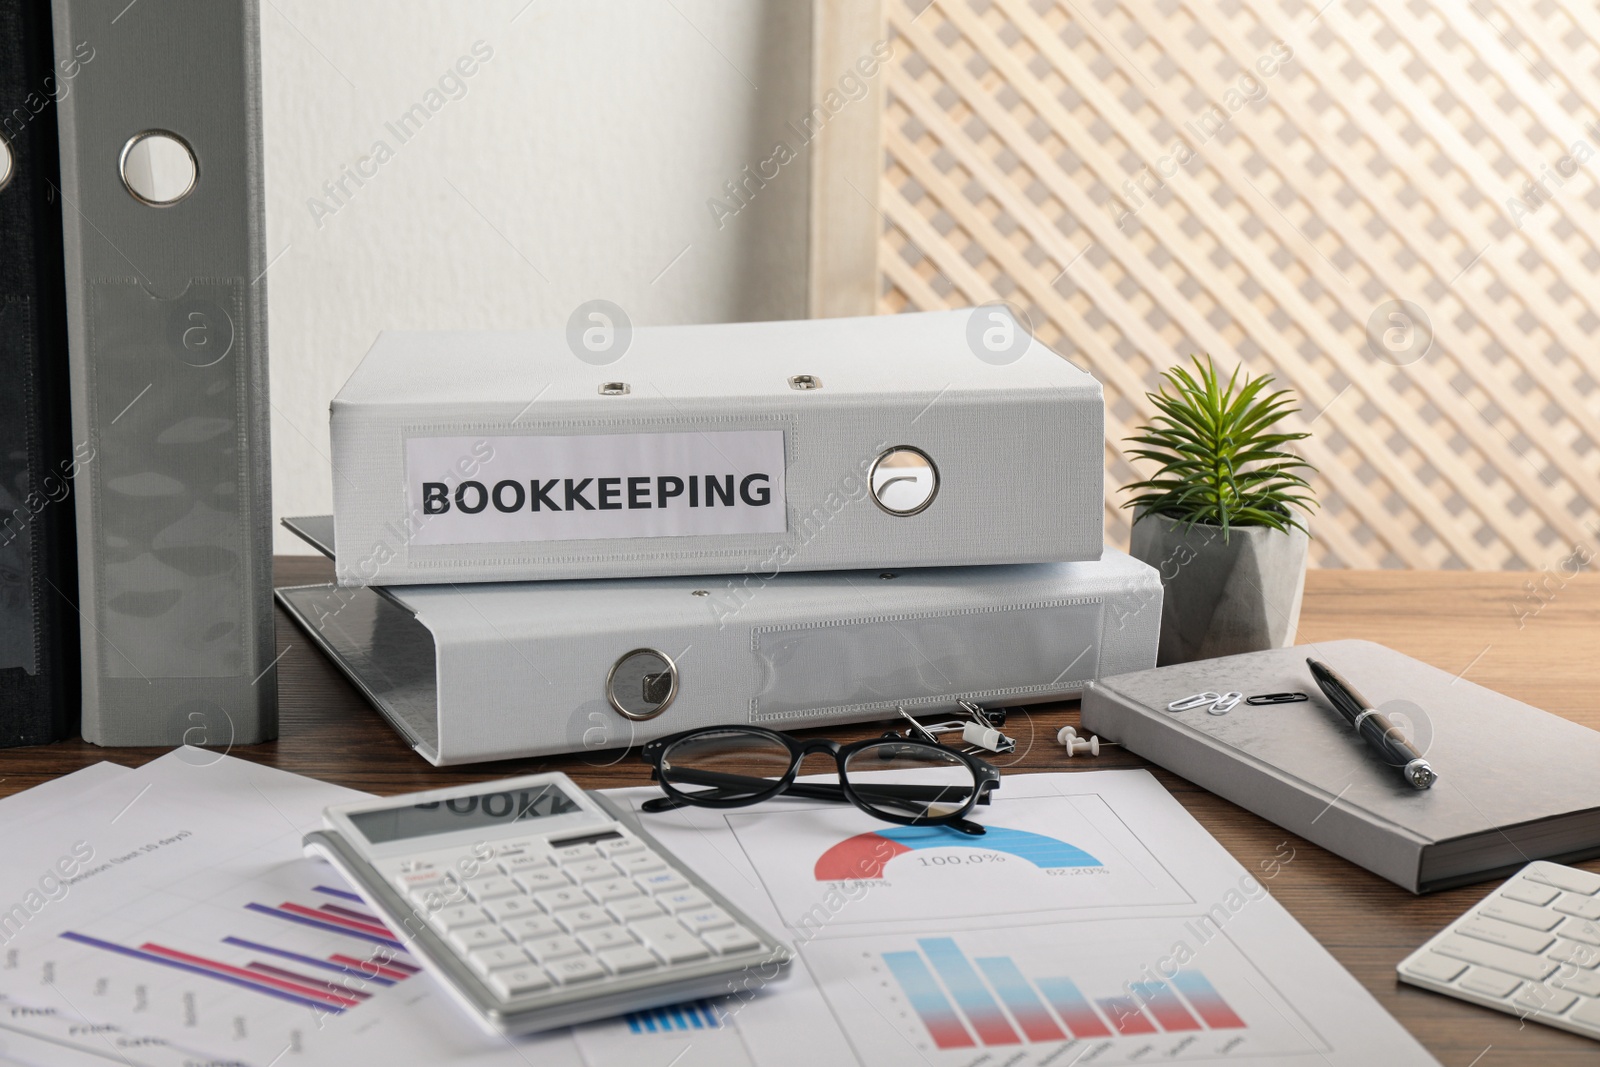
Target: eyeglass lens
pixel 726 765
pixel 939 784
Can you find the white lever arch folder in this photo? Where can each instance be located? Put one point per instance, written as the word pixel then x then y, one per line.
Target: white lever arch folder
pixel 503 670
pixel 762 447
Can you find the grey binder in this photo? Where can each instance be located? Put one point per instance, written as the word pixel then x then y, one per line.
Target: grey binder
pixel 1515 783
pixel 508 669
pixel 167 334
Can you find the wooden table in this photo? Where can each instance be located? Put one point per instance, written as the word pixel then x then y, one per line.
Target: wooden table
pixel 1485 625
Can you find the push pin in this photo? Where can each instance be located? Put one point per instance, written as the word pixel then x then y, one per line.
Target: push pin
pixel 1069 739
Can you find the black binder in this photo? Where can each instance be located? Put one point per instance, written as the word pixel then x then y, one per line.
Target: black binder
pixel 39 683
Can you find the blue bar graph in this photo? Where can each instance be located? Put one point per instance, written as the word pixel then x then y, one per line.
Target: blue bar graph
pixel 1020 999
pixel 994 1000
pixel 928 1000
pixel 970 992
pixel 676 1018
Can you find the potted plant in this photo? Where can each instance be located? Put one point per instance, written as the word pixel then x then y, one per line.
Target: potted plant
pixel 1218 519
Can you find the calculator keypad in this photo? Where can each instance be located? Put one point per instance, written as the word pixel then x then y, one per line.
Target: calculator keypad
pixel 539 918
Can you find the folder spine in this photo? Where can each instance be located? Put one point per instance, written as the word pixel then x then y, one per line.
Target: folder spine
pixel 167 331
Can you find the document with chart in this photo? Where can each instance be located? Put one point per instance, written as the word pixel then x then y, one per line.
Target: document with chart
pixel 1095 921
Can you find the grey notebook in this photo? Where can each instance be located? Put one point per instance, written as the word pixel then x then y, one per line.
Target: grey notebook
pixel 1516 783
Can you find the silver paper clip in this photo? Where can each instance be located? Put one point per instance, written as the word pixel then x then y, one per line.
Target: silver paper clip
pixel 1185 703
pixel 1225 703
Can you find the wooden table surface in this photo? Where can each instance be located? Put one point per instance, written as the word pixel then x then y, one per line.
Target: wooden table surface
pixel 1537 646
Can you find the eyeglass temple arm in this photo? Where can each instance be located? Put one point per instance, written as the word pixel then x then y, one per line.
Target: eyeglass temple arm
pixel 725 781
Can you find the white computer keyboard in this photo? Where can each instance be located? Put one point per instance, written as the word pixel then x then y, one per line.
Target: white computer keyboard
pixel 1531 948
pixel 539 905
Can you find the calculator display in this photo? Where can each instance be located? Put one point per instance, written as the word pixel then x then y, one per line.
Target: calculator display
pixel 462 813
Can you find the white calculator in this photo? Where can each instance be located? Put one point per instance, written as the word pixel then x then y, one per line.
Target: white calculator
pixel 539 905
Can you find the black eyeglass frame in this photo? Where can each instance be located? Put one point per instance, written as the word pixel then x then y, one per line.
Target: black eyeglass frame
pixel 985 776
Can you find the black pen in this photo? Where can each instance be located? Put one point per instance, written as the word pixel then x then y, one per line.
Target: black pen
pixel 1373 726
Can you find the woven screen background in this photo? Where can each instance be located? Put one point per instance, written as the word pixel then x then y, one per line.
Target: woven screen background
pixel 1033 156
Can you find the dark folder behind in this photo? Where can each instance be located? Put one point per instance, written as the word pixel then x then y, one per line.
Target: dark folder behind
pixel 38 572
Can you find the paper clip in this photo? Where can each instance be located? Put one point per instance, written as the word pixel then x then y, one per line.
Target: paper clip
pixel 1275 698
pixel 1225 703
pixel 1185 703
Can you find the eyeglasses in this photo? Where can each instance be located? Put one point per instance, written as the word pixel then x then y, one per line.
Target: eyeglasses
pixel 733 766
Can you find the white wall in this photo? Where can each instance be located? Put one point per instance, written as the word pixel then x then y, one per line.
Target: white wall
pixel 575 162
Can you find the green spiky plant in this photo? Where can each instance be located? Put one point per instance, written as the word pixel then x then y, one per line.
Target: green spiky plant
pixel 1222 462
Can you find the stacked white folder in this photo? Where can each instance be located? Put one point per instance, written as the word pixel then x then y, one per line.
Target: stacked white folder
pixel 785 523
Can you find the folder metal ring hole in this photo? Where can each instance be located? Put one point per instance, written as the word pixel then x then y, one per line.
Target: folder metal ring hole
pixel 641 684
pixel 158 168
pixel 6 169
pixel 615 389
pixel 904 480
pixel 805 381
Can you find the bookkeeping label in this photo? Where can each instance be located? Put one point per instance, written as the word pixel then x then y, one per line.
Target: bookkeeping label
pixel 475 490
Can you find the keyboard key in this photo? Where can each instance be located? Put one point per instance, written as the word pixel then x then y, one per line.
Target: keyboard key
pixel 1501 959
pixel 531 927
pixel 1574 953
pixel 590 870
pixel 1587 1014
pixel 703 919
pixel 438 898
pixel 554 948
pixel 477 937
pixel 536 880
pixel 669 940
pixel 628 960
pixel 731 939
pixel 621 845
pixel 455 918
pixel 1568 878
pixel 1582 907
pixel 639 862
pixel 1518 937
pixel 518 864
pixel 518 981
pixel 495 888
pixel 573 919
pixel 1543 1000
pixel 575 969
pixel 684 900
pixel 1529 892
pixel 429 879
pixel 554 900
pixel 1521 914
pixel 1576 981
pixel 1489 983
pixel 1435 967
pixel 1580 930
pixel 634 908
pixel 619 889
pixel 486 960
pixel 661 882
pixel 576 854
pixel 606 937
pixel 512 908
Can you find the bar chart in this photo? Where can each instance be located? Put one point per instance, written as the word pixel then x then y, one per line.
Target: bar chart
pixel 684 1018
pixel 1025 991
pixel 332 982
pixel 989 1001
